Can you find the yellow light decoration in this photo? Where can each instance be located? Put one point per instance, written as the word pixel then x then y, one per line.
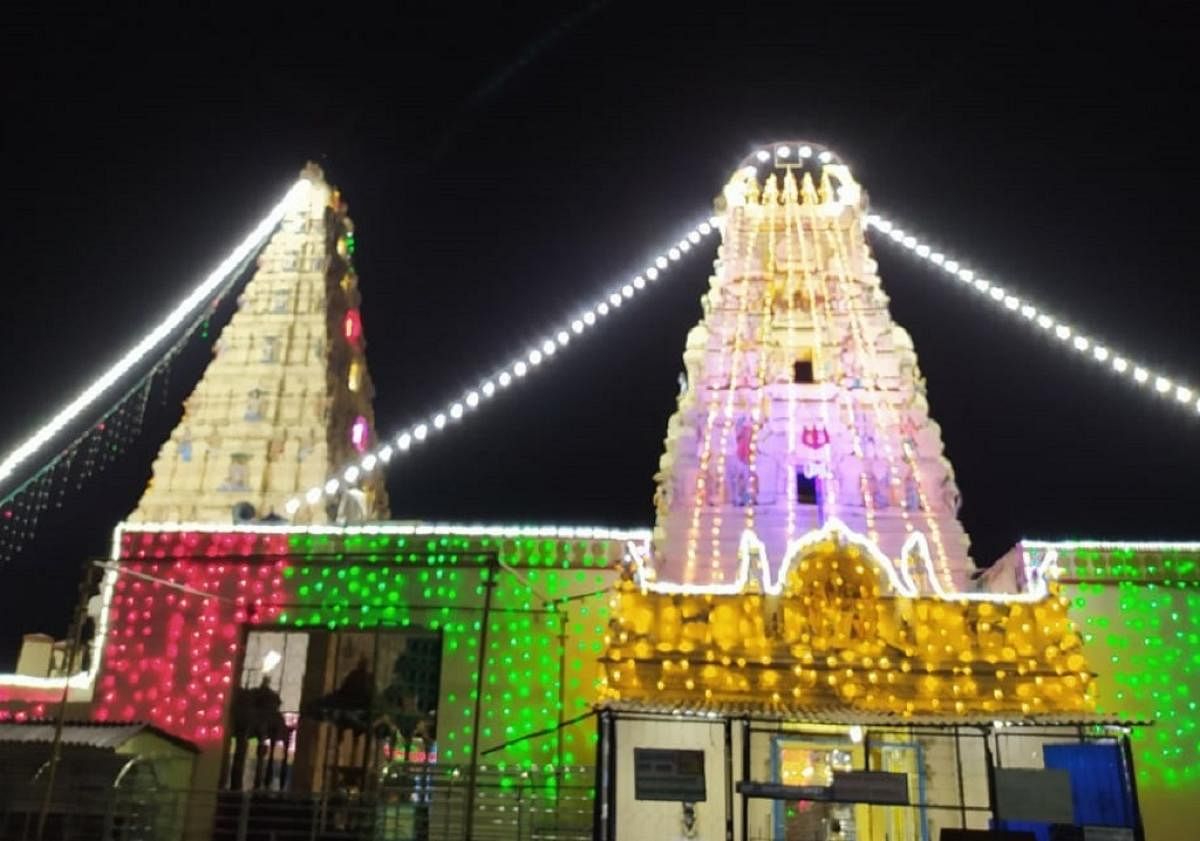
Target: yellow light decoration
pixel 836 631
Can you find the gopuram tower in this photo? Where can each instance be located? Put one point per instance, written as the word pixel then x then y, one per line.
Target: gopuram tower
pixel 803 401
pixel 286 399
pixel 807 549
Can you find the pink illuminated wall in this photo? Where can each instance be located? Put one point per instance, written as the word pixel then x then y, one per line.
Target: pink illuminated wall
pixel 174 642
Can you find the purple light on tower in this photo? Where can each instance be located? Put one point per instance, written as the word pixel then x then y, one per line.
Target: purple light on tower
pixel 358 433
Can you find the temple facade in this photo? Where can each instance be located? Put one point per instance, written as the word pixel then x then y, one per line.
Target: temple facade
pixel 799 648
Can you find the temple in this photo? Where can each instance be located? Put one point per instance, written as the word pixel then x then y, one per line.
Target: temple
pixel 800 648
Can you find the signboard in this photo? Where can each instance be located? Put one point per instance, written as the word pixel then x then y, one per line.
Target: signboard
pixel 876 787
pixel 1034 794
pixel 879 787
pixel 676 775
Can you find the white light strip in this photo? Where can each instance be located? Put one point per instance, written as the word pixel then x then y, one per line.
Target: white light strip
pixel 1113 545
pixel 187 307
pixel 1089 347
pixel 406 529
pixel 898 574
pixel 539 352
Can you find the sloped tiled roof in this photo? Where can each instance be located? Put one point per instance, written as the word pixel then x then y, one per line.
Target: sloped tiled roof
pixel 91 734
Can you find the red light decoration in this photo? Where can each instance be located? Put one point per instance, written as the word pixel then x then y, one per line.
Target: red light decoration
pixel 171 653
pixel 352 326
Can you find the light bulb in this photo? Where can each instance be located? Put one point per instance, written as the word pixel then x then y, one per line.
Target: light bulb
pixel 784 151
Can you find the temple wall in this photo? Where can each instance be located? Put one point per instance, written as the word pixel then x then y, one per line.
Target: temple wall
pixel 1138 609
pixel 171 657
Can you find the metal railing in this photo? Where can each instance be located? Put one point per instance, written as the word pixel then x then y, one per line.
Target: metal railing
pixel 413 803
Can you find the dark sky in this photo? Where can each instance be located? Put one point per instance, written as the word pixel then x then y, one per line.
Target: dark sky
pixel 505 162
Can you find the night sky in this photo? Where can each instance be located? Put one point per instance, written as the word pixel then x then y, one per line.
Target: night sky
pixel 505 163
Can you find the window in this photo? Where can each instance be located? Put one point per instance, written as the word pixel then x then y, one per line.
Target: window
pixel 807 491
pixel 802 371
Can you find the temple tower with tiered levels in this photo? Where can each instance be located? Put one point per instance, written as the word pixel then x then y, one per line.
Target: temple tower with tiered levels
pixel 803 401
pixel 286 400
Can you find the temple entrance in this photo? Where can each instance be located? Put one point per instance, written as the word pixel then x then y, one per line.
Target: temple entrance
pixel 811 761
pixel 328 710
pixel 342 724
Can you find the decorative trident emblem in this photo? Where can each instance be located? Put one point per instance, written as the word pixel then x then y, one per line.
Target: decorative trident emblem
pixel 814 437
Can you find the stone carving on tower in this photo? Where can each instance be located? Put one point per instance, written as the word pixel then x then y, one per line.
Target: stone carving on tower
pixel 804 402
pixel 286 400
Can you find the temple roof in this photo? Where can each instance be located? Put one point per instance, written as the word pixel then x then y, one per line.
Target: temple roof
pixel 846 715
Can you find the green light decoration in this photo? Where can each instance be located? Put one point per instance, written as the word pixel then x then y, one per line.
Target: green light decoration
pixel 1140 618
pixel 381 581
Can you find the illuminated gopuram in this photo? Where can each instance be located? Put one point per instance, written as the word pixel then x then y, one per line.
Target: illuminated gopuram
pixel 804 402
pixel 807 598
pixel 287 398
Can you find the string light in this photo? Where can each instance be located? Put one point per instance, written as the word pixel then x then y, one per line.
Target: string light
pixel 182 593
pixel 1086 346
pixel 541 351
pixel 185 309
pixel 898 574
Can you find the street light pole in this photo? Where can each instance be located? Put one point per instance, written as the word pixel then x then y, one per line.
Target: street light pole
pixel 489 586
pixel 76 639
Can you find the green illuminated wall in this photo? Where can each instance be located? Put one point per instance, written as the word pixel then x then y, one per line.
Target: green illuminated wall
pixel 372 581
pixel 1140 617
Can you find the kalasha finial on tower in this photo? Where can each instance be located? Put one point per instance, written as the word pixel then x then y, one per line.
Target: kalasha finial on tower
pixel 313 172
